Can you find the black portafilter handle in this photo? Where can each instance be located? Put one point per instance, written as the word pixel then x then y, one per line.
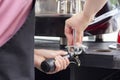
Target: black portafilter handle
pixel 48 65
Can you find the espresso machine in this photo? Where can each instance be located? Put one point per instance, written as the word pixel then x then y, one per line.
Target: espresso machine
pixel 50 20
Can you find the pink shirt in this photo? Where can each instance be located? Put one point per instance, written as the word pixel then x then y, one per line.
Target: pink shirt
pixel 13 14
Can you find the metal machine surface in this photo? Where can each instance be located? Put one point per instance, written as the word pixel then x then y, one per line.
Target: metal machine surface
pixel 52 23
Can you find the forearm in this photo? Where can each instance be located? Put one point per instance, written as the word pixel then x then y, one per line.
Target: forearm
pixel 42 54
pixel 60 62
pixel 91 7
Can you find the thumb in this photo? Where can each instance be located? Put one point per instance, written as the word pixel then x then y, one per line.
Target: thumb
pixel 61 52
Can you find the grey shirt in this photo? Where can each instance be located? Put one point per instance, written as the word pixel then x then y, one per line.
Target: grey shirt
pixel 16 56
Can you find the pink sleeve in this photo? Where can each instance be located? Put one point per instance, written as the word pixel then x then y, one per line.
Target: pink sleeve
pixel 13 14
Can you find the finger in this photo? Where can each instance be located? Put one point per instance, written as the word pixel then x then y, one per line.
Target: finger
pixel 57 64
pixel 78 38
pixel 69 35
pixel 63 62
pixel 61 52
pixel 67 61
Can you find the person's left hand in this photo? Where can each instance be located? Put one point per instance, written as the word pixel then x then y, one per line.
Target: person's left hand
pixel 40 55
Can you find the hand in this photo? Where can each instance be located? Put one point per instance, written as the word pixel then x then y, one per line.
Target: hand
pixel 78 22
pixel 41 54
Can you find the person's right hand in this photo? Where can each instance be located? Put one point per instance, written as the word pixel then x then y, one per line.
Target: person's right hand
pixel 78 22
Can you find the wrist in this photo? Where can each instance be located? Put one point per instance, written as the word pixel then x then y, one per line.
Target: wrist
pixel 38 60
pixel 83 20
pixel 88 17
